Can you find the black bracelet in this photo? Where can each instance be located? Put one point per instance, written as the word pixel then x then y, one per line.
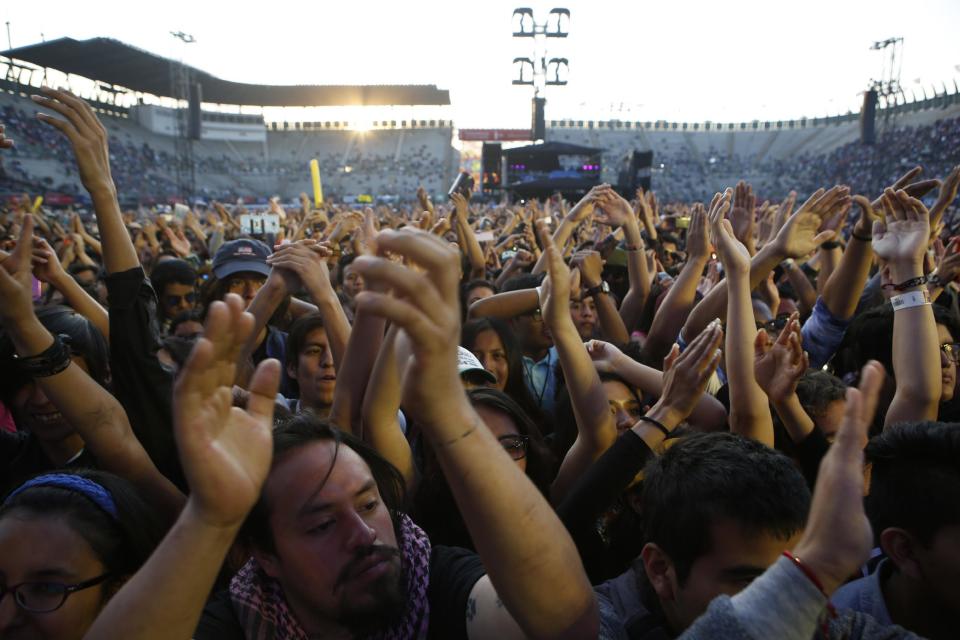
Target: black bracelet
pixel 49 362
pixel 657 424
pixel 830 244
pixel 853 234
pixel 911 283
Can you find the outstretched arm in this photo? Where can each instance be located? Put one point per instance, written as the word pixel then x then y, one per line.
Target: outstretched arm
pixel 381 403
pixel 596 430
pixel 95 414
pixel 749 410
pixel 226 455
pixel 900 243
pixel 676 306
pixel 88 138
pixel 494 496
pixel 46 267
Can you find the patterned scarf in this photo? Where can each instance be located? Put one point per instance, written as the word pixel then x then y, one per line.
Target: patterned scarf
pixel 262 609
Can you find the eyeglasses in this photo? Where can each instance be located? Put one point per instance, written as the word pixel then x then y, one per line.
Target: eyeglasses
pixel 172 300
pixel 951 350
pixel 44 597
pixel 516 446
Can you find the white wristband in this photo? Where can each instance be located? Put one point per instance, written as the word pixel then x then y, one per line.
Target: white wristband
pixel 910 299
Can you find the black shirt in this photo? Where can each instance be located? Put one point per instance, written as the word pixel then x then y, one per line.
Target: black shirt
pixel 453 574
pixel 140 383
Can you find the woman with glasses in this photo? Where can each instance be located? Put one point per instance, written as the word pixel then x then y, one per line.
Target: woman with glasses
pixel 433 506
pixel 69 541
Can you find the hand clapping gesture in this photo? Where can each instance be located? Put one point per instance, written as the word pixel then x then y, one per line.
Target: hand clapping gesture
pixel 779 365
pixel 225 450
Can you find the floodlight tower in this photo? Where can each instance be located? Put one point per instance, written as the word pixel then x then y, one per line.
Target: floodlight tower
pixel 180 86
pixel 887 88
pixel 539 71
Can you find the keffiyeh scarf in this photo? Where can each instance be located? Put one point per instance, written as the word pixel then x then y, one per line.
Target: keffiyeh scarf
pixel 262 609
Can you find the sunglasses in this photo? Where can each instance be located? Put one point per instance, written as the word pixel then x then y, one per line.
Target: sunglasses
pixel 173 300
pixel 516 446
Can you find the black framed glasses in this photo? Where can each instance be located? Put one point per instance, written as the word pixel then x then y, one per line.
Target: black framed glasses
pixel 44 597
pixel 951 350
pixel 516 446
pixel 173 300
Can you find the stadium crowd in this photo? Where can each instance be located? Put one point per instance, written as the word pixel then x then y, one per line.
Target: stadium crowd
pixel 611 418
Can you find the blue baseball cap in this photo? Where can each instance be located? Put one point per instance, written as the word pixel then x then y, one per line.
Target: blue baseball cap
pixel 241 255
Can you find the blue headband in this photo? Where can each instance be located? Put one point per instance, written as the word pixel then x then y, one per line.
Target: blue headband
pixel 93 491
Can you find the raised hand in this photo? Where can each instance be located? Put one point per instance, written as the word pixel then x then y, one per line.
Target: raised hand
pixel 838 538
pixel 733 254
pixel 16 288
pixel 178 241
pixel 779 365
pixel 698 244
pixel 863 227
pixel 948 193
pixel 948 265
pixel 617 211
pixel 904 235
pixel 742 215
pixel 584 208
pixel 425 305
pixel 225 451
pixel 800 234
pixel 307 260
pixel 590 265
pixel 461 207
pixel 46 264
pixel 606 357
pixel 685 375
pixel 556 287
pixel 86 134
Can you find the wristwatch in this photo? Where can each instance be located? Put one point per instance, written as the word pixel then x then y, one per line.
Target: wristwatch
pixel 592 292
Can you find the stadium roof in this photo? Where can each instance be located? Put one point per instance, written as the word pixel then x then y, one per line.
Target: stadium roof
pixel 117 63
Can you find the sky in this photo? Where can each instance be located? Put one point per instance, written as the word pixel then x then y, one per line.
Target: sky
pixel 675 60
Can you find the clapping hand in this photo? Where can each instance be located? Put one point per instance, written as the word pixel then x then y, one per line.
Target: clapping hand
pixel 801 234
pixel 903 236
pixel 742 215
pixel 685 375
pixel 779 365
pixel 733 254
pixel 425 304
pixel 225 451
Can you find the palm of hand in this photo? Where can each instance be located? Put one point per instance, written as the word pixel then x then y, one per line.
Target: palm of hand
pixel 799 233
pixel 776 374
pixel 235 449
pixel 733 254
pixel 742 221
pixel 902 240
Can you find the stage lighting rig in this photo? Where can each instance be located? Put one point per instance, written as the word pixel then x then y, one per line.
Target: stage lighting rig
pixel 540 70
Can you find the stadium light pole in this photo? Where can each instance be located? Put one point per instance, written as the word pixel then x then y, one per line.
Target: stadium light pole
pixel 180 79
pixel 543 72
